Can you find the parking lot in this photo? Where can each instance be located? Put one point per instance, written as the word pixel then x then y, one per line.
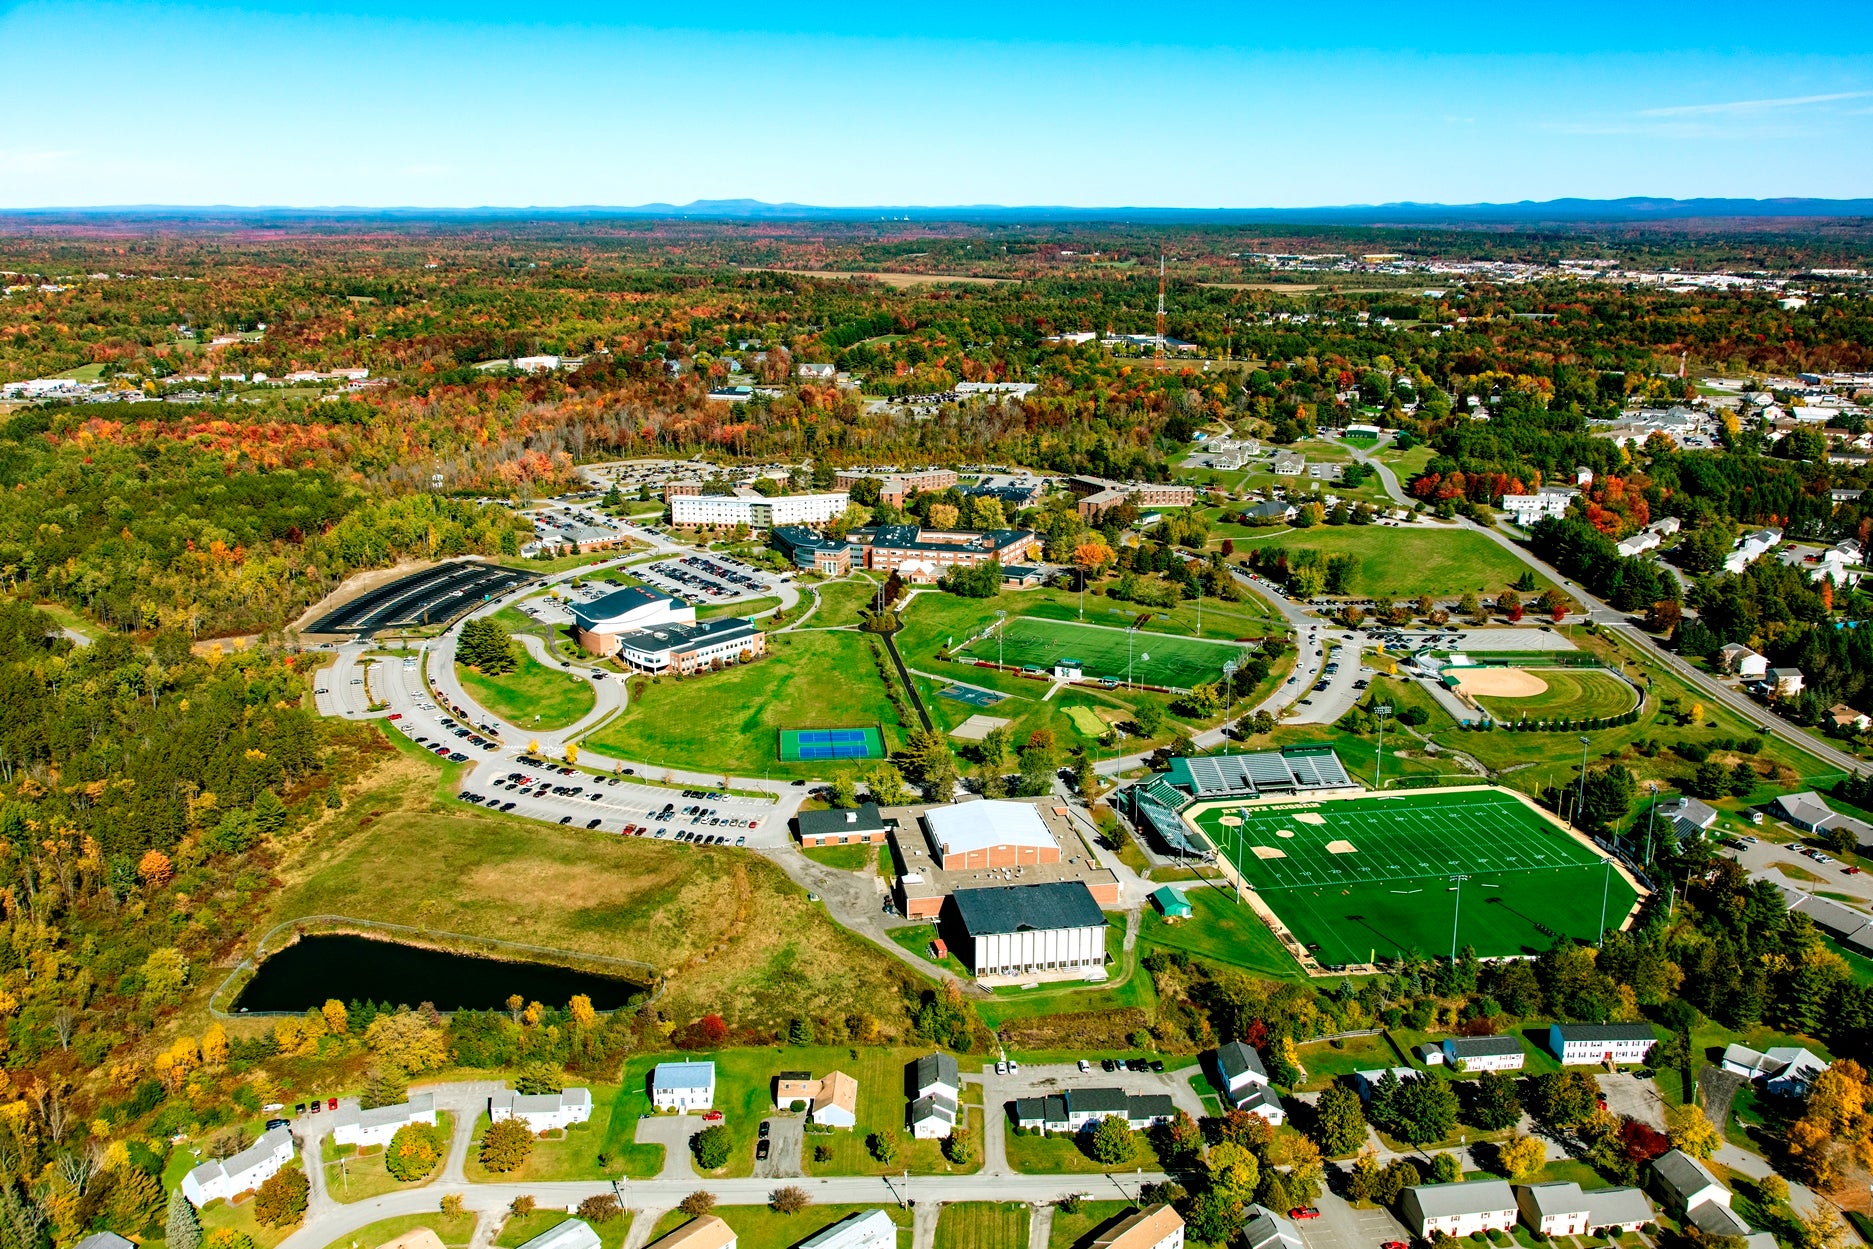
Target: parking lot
pixel 710 578
pixel 1048 1078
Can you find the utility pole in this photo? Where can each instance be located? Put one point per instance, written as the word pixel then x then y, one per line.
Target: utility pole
pixel 1229 679
pixel 1000 618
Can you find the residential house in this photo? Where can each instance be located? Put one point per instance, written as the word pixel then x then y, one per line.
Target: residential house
pixel 1846 718
pixel 1262 1100
pixel 936 1096
pixel 241 1173
pixel 1783 682
pixel 1273 510
pixel 683 1087
pixel 1541 504
pixel 1784 1069
pixel 1750 548
pixel 1691 1193
pixel 1364 1082
pixel 862 826
pixel 835 1102
pixel 1289 463
pixel 1807 811
pixel 1155 1227
pixel 868 1229
pixel 1562 1209
pixel 354 1126
pixel 1482 1053
pixel 1240 1070
pixel 1262 1228
pixel 542 1112
pixel 1638 543
pixel 1079 1110
pixel 1687 818
pixel 707 1232
pixel 570 1234
pixel 1458 1209
pixel 108 1240
pixel 818 372
pixel 1576 1044
pixel 1744 662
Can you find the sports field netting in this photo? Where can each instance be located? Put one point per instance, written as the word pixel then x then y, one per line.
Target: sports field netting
pixel 808 745
pixel 1364 875
pixel 1029 641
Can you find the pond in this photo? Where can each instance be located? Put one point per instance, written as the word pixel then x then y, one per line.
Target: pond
pixel 352 968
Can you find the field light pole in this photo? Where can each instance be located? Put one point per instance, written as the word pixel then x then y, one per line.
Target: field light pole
pixel 1001 618
pixel 1382 710
pixel 1229 678
pixel 1456 915
pixel 1606 883
pixel 1649 821
pixel 1581 799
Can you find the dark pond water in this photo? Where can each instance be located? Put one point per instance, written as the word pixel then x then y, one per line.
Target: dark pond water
pixel 351 969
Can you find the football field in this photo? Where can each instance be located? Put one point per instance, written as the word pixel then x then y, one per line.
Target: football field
pixel 1396 874
pixel 1029 641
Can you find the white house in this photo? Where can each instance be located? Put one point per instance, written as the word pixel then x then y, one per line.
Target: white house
pixel 1638 543
pixel 937 1082
pixel 683 1086
pixel 872 1229
pixel 246 1170
pixel 1548 501
pixel 1746 663
pixel 1483 1053
pixel 1289 463
pixel 1156 1227
pixel 1785 1069
pixel 818 372
pixel 1783 682
pixel 1750 548
pixel 1562 1209
pixel 1576 1044
pixel 569 1234
pixel 1458 1209
pixel 1262 1228
pixel 1688 1188
pixel 1241 1069
pixel 542 1112
pixel 353 1126
pixel 1261 1099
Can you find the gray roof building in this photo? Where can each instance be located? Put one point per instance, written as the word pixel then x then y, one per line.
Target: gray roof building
pixel 1027 908
pixel 1236 1060
pixel 1262 1228
pixel 937 1069
pixel 863 819
pixel 1467 1047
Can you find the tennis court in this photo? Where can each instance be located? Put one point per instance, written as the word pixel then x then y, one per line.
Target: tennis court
pixel 1155 658
pixel 809 745
pixel 1397 874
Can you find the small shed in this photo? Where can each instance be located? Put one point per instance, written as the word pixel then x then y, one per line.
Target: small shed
pixel 1170 903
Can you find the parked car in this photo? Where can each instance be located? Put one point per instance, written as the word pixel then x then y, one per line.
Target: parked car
pixel 761 1148
pixel 1304 1212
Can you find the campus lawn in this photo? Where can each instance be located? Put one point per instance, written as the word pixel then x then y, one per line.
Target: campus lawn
pixel 1326 1062
pixel 1036 1154
pixel 983 1225
pixel 746 607
pixel 362 1176
pixel 846 858
pixel 454 1229
pixel 1573 693
pixel 730 721
pixel 403 850
pixel 883 1106
pixel 574 1154
pixel 1219 928
pixel 532 696
pixel 842 602
pixel 1404 562
pixel 521 1228
pixel 917 938
pixel 1077 1229
pixel 1105 649
pixel 761 1227
pixel 1406 464
pixel 1253 616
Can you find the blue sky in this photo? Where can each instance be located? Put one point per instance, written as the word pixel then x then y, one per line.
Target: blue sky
pixel 282 102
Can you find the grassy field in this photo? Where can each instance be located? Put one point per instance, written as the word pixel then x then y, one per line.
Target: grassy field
pixel 1407 562
pixel 1573 693
pixel 983 1225
pixel 747 607
pixel 758 1227
pixel 730 931
pixel 1326 1062
pixel 841 602
pixel 1106 652
pixel 845 858
pixel 1061 1155
pixel 729 721
pixel 1077 1229
pixel 882 1108
pixel 218 1215
pixel 458 1229
pixel 611 1133
pixel 521 1228
pixel 532 696
pixel 1220 928
pixel 362 1176
pixel 1353 877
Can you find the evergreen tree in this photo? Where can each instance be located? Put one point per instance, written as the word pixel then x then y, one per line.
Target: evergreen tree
pixel 485 646
pixel 183 1227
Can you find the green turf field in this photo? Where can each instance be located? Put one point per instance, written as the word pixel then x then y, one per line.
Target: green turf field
pixel 1101 650
pixel 1525 881
pixel 1572 693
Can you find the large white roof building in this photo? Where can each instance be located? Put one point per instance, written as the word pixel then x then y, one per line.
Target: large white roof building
pixel 991 833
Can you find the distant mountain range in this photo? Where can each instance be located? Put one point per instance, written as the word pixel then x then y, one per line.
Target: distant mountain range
pixel 1524 212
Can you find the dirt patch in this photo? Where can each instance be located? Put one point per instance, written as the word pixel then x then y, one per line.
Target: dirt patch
pixel 1341 847
pixel 1500 683
pixel 1269 852
pixel 1310 817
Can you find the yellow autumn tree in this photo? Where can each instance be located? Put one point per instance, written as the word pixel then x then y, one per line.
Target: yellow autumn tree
pixel 581 1010
pixel 215 1045
pixel 337 1018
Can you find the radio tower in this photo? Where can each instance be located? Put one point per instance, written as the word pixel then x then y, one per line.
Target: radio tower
pixel 1160 349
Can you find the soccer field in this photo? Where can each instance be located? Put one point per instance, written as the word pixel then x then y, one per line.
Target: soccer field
pixel 1379 875
pixel 1029 641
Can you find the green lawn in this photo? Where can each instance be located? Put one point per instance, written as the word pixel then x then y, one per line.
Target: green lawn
pixel 576 1153
pixel 917 938
pixel 1078 1228
pixel 532 696
pixel 846 858
pixel 1105 651
pixel 1035 1154
pixel 882 1108
pixel 841 602
pixel 730 721
pixel 1326 1062
pixel 983 1225
pixel 458 1229
pixel 521 1228
pixel 217 1215
pixel 360 1177
pixel 1572 693
pixel 1407 562
pixel 760 1227
pixel 747 607
pixel 1220 928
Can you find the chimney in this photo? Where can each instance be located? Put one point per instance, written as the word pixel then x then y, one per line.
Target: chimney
pixel 851 817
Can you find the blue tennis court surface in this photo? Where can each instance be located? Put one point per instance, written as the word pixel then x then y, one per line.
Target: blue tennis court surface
pixel 809 745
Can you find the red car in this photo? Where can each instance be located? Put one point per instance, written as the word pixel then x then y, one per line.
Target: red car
pixel 1394 1244
pixel 714 1116
pixel 1304 1212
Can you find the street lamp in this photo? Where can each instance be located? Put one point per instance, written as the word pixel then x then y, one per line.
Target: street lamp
pixel 1229 679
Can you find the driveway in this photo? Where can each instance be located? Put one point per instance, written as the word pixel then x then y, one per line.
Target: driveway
pixel 786 1137
pixel 673 1133
pixel 1340 1226
pixel 1336 694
